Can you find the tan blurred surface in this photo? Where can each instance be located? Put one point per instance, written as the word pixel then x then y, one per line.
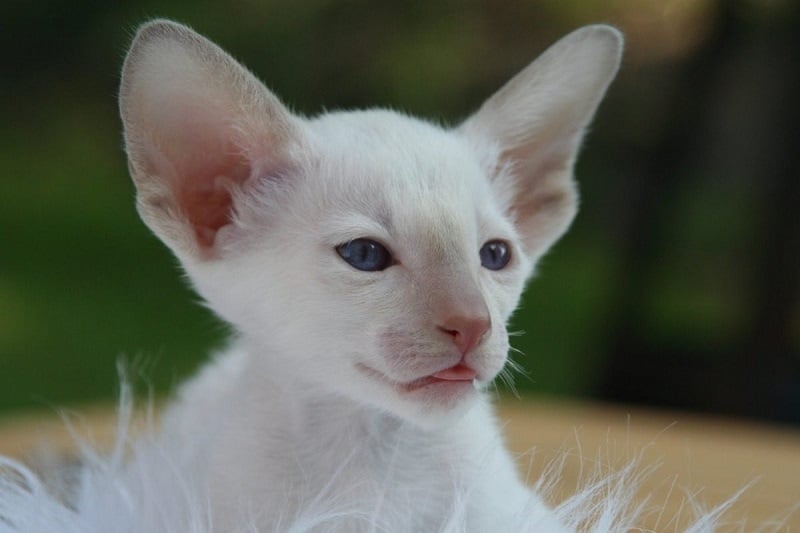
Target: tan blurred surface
pixel 709 458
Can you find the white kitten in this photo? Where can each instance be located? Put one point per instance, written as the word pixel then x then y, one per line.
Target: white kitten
pixel 369 262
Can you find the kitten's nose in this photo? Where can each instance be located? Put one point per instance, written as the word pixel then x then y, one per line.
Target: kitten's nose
pixel 466 331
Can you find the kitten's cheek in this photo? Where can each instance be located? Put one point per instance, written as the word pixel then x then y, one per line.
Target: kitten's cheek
pixel 491 361
pixel 490 374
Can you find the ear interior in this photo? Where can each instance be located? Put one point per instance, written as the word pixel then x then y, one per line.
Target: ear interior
pixel 198 126
pixel 199 165
pixel 536 123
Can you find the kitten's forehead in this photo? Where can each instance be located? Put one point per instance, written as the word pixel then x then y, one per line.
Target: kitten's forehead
pixel 403 173
pixel 420 153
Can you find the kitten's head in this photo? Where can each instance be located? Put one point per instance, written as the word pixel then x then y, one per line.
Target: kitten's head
pixel 369 254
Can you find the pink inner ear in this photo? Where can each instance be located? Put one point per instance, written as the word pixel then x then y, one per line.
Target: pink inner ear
pixel 206 198
pixel 196 155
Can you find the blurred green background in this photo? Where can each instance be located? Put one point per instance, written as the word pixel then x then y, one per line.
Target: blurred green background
pixel 678 285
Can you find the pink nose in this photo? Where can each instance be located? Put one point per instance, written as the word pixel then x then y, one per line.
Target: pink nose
pixel 466 331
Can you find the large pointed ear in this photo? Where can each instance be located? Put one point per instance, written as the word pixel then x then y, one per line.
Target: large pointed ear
pixel 198 129
pixel 535 124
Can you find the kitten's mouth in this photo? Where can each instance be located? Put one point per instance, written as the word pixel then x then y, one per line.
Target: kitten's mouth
pixel 459 374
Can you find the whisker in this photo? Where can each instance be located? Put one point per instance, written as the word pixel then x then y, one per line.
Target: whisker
pixel 506 377
pixel 517 368
pixel 516 350
pixel 514 367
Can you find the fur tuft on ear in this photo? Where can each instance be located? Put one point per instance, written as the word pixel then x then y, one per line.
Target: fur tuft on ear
pixel 198 127
pixel 535 124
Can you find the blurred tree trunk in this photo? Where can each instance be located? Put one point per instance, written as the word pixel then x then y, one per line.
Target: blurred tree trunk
pixel 761 146
pixel 769 359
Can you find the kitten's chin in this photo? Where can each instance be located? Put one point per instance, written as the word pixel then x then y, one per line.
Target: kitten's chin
pixel 428 401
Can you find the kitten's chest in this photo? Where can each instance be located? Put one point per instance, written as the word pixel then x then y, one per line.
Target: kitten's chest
pixel 361 473
pixel 402 482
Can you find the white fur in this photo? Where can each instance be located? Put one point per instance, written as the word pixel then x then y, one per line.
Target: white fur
pixel 309 421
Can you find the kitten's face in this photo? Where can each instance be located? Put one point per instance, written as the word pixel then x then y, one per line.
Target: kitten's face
pixel 378 335
pixel 364 254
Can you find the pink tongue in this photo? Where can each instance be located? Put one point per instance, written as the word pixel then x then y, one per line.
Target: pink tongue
pixel 459 372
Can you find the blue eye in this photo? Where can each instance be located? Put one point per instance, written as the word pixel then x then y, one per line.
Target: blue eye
pixel 365 254
pixel 495 255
